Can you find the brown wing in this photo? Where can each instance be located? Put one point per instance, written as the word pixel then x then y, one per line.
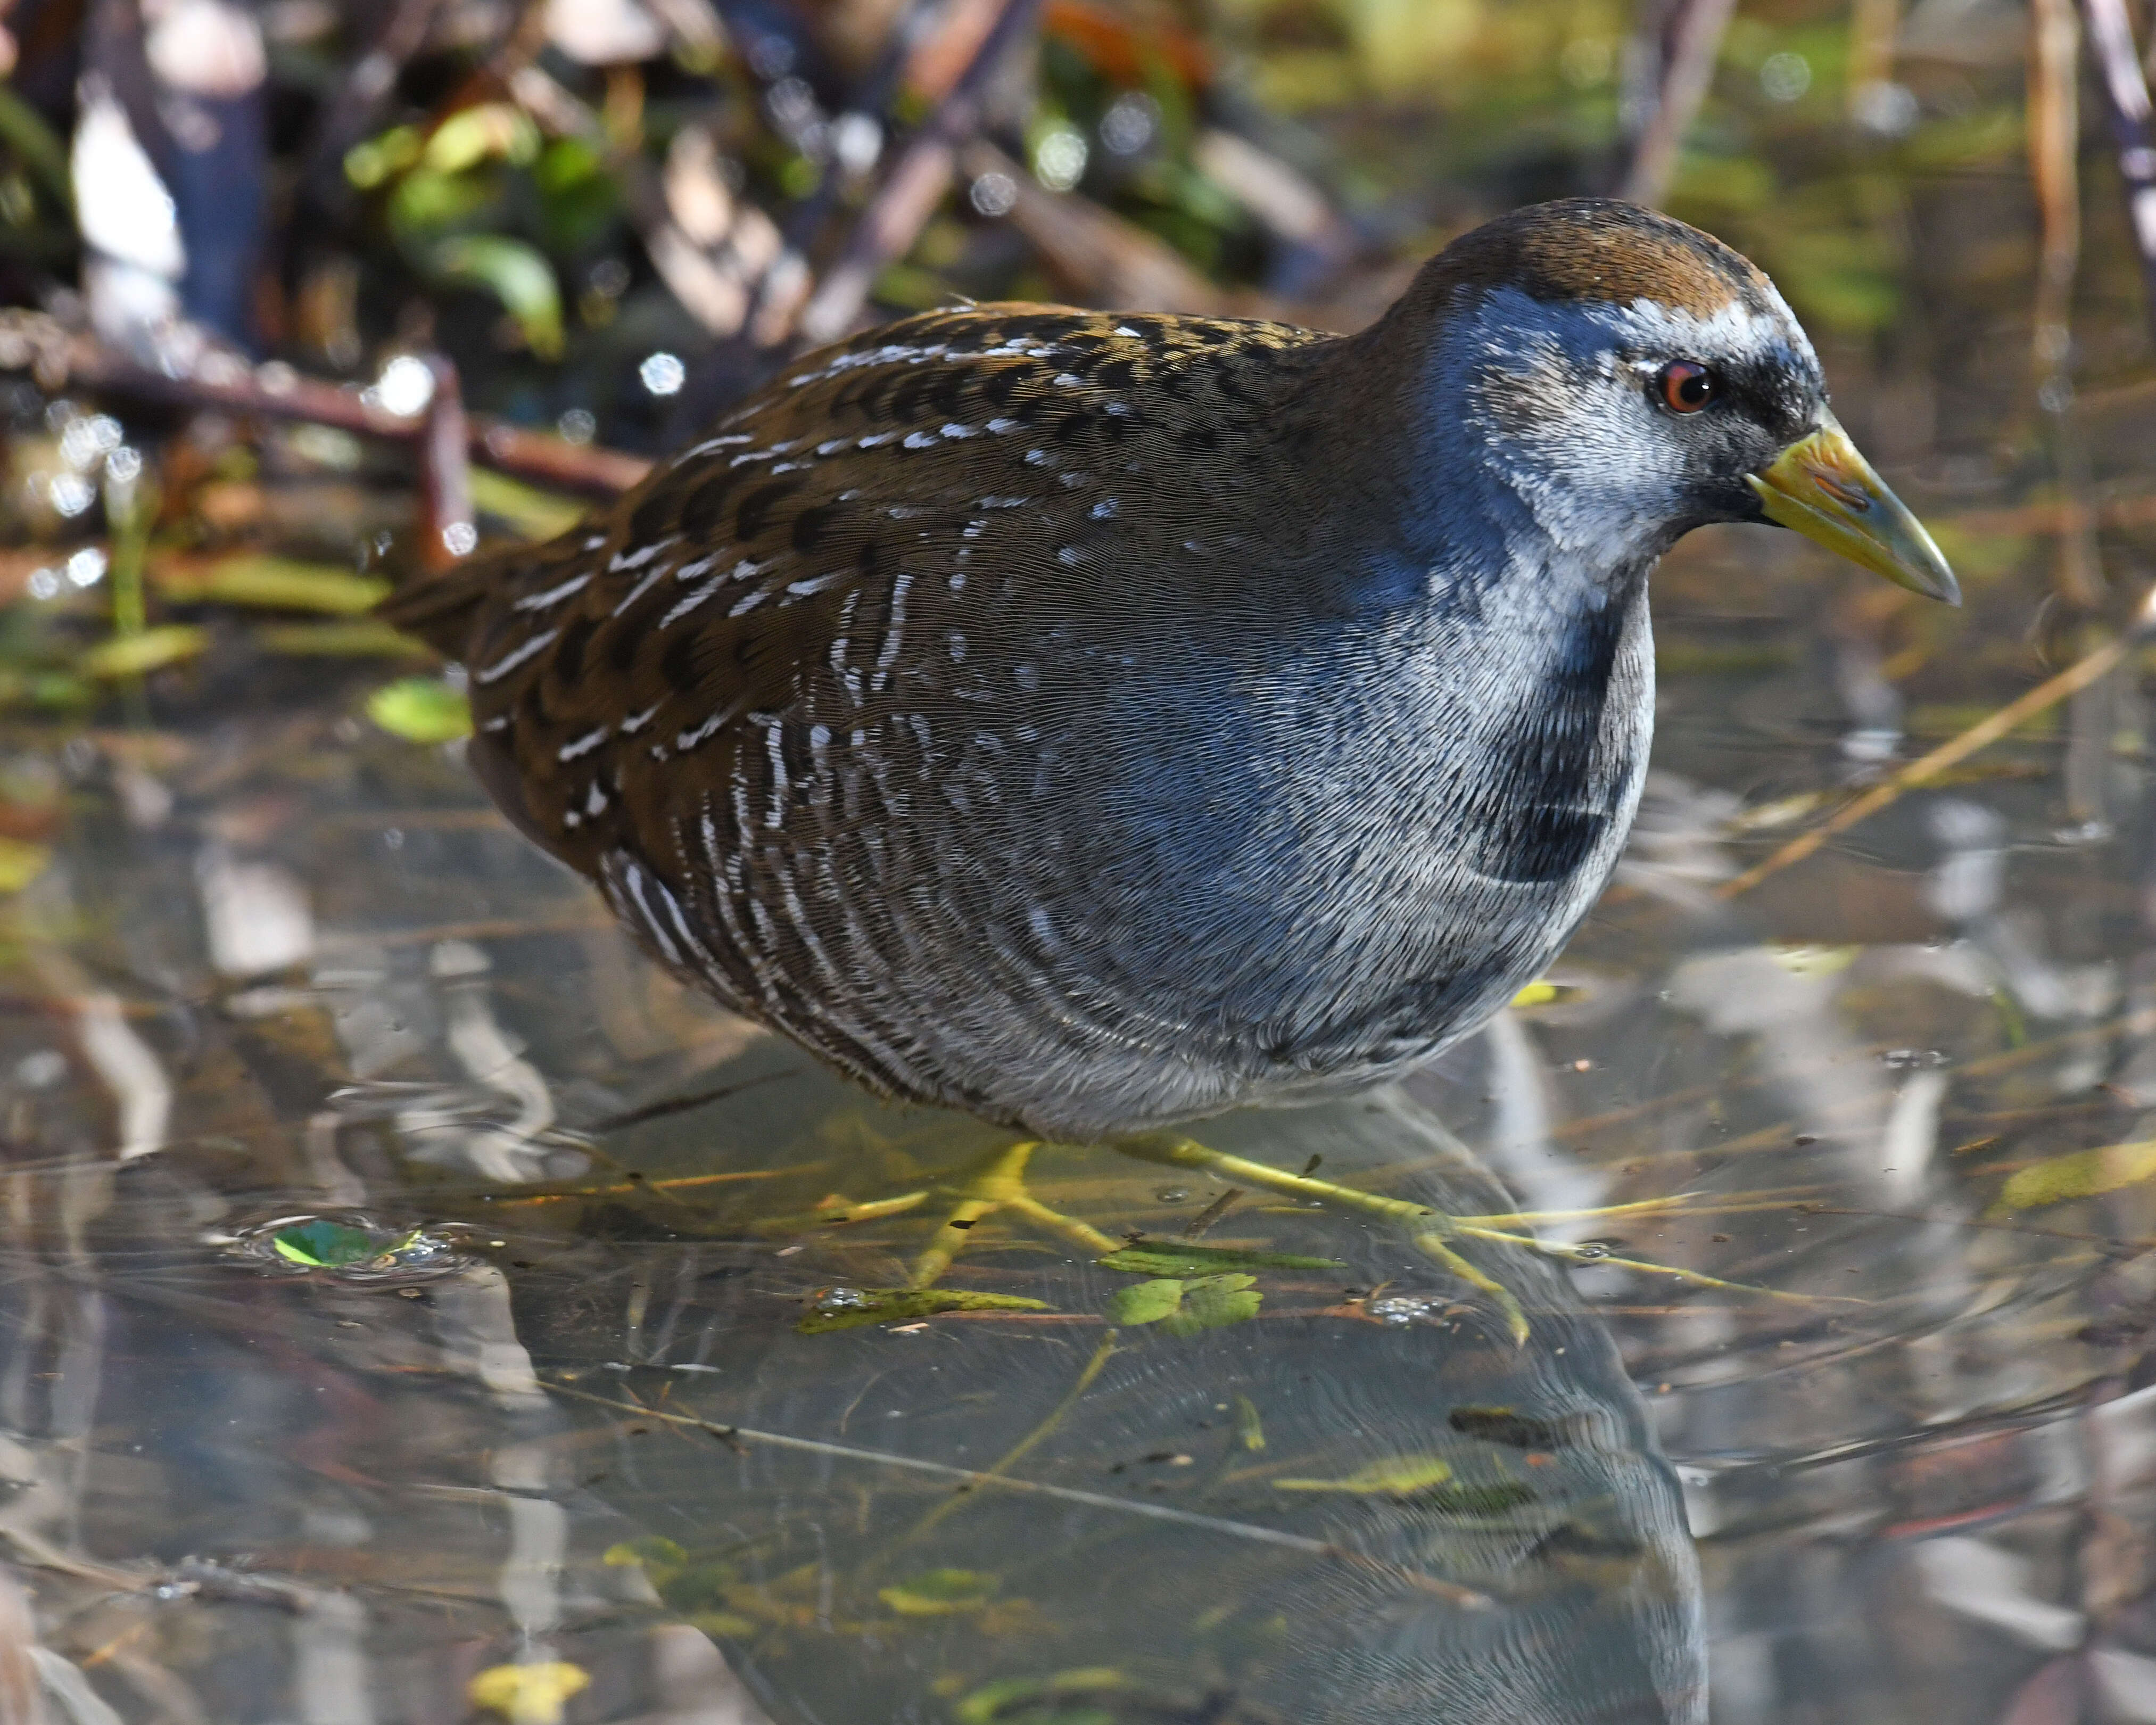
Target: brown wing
pixel 1011 441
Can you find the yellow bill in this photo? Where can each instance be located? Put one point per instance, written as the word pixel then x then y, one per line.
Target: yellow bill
pixel 1822 486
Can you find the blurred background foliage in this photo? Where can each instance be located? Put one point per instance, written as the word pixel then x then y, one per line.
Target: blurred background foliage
pixel 256 250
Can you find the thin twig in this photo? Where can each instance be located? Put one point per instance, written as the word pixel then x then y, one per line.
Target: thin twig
pixel 1683 53
pixel 915 186
pixel 59 358
pixel 1982 734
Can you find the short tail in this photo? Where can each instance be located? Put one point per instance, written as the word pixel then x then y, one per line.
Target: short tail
pixel 442 609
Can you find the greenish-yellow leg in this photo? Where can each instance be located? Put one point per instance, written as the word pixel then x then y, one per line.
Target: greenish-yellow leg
pixel 996 1182
pixel 1432 1230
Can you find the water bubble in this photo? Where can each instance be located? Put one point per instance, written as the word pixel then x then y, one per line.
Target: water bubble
pixel 1171 1194
pixel 609 276
pixel 1059 159
pixel 1130 123
pixel 87 567
pixel 576 426
pixel 405 387
pixel 70 493
pixel 994 194
pixel 1400 1310
pixel 460 538
pixel 43 583
pixel 841 1300
pixel 41 1071
pixel 663 373
pixel 1784 77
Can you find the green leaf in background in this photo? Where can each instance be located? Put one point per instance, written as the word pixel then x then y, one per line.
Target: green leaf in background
pixel 515 275
pixel 20 862
pixel 422 710
pixel 274 583
pixel 357 638
pixel 939 1593
pixel 471 134
pixel 534 513
pixel 1178 1257
pixel 849 1308
pixel 367 165
pixel 134 656
pixel 24 130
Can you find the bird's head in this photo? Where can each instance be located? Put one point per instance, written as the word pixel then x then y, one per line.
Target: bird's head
pixel 1626 378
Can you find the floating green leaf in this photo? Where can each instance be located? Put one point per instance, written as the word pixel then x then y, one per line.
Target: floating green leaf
pixel 998 1703
pixel 1182 1257
pixel 849 1308
pixel 939 1593
pixel 420 709
pixel 332 1245
pixel 1183 1307
pixel 653 1551
pixel 515 275
pixel 1213 1303
pixel 1250 1429
pixel 1145 1302
pixel 2086 1174
pixel 1398 1476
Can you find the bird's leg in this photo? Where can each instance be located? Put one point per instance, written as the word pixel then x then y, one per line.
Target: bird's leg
pixel 1432 1228
pixel 996 1182
pixel 1433 1231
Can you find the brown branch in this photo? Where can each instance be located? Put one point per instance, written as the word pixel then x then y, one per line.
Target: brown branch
pixel 59 358
pixel 914 187
pixel 447 533
pixel 1682 53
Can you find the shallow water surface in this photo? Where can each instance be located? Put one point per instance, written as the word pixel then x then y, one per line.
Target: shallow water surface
pixel 417 1308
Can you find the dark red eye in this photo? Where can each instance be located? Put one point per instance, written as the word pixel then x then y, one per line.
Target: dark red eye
pixel 1684 387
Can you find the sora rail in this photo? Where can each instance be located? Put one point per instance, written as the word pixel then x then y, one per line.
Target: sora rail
pixel 1096 722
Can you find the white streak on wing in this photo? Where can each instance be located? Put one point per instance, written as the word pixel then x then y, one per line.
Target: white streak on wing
pixel 583 745
pixel 624 561
pixel 775 816
pixel 893 632
pixel 553 595
pixel 690 570
pixel 703 733
pixel 643 586
pixel 682 607
pixel 595 799
pixel 636 721
pixel 502 667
